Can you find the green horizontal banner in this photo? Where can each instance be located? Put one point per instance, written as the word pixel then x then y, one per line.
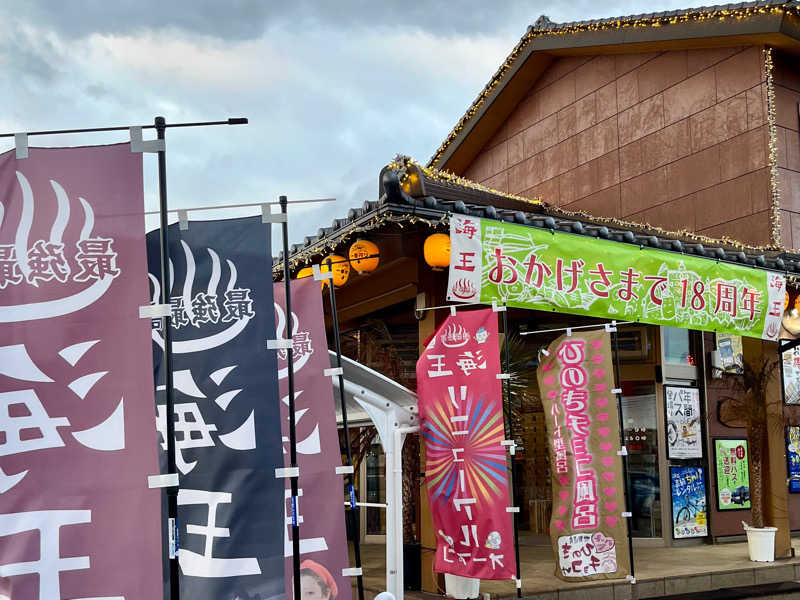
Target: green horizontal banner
pixel 538 269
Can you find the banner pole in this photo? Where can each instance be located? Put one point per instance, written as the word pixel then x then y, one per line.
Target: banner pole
pixel 628 506
pixel 172 492
pixel 510 420
pixel 292 434
pixel 352 514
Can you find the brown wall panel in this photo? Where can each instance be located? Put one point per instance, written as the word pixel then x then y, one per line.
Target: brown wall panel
pixel 674 139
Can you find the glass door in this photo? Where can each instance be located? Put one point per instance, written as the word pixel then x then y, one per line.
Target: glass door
pixel 640 428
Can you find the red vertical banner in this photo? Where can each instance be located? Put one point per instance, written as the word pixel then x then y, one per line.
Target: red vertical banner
pixel 588 528
pixel 323 538
pixel 77 415
pixel 461 415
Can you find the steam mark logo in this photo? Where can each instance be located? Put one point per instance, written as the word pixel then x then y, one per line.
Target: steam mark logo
pixel 203 309
pixel 51 261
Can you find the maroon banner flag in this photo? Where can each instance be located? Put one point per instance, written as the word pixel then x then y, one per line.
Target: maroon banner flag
pixel 461 415
pixel 77 415
pixel 588 531
pixel 323 538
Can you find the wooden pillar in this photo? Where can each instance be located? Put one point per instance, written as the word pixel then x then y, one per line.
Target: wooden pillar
pixel 776 495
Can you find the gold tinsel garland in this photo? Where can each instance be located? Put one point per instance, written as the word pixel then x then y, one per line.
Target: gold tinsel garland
pixel 774 182
pixel 304 256
pixel 621 23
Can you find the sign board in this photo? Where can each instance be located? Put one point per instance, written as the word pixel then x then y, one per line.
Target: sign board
pixel 539 269
pixel 689 513
pixel 733 475
pixel 683 422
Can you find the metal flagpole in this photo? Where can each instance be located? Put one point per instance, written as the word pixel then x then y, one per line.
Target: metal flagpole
pixel 172 491
pixel 353 512
pixel 292 434
pixel 628 506
pixel 510 421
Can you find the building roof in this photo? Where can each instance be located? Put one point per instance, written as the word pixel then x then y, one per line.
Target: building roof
pixel 774 23
pixel 412 193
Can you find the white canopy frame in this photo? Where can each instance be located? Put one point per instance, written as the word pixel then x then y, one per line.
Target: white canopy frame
pixel 392 409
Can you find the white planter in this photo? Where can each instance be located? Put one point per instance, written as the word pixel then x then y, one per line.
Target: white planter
pixel 461 588
pixel 761 543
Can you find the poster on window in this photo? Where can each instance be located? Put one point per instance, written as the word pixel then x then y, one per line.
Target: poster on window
pixel 733 475
pixel 793 458
pixel 226 412
pixel 77 440
pixel 730 351
pixel 461 420
pixel 683 422
pixel 587 530
pixel 323 539
pixel 790 371
pixel 689 515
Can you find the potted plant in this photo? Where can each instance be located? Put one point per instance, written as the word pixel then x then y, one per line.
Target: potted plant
pixel 748 409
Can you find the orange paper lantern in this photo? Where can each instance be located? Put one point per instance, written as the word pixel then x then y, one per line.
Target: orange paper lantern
pixel 341 269
pixel 364 256
pixel 437 251
pixel 304 272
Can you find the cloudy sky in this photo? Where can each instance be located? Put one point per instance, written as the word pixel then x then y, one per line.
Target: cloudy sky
pixel 333 89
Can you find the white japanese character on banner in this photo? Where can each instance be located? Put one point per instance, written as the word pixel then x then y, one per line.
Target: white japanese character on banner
pixel 438 366
pixel 192 429
pixel 50 563
pixel 307 545
pixel 22 413
pixel 470 361
pixel 205 564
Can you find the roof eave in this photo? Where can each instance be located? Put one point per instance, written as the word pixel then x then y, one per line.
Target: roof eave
pixel 779 30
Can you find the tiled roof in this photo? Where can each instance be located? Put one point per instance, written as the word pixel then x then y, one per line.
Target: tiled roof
pixel 400 198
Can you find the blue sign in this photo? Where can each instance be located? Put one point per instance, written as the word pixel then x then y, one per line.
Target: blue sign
pixel 227 410
pixel 689 515
pixel 793 458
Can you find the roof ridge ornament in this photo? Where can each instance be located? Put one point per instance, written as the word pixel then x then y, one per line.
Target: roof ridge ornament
pixel 543 23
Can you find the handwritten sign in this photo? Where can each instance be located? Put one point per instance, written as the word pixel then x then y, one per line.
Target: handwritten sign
pixel 587 529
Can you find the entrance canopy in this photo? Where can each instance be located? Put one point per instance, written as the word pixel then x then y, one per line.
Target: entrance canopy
pixel 363 382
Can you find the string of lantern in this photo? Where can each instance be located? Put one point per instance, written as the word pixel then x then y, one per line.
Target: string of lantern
pixel 638 21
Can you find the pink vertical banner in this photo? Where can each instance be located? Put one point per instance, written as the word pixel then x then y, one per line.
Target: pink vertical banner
pixel 461 415
pixel 323 537
pixel 588 529
pixel 77 439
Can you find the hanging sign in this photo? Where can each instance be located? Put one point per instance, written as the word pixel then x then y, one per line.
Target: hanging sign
pixel 323 538
pixel 461 418
pixel 733 476
pixel 77 519
pixel 587 529
pixel 689 516
pixel 790 373
pixel 793 457
pixel 227 420
pixel 539 269
pixel 683 422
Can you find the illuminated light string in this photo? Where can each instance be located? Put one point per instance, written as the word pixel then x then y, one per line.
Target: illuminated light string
pixel 624 23
pixel 304 257
pixel 403 165
pixel 774 182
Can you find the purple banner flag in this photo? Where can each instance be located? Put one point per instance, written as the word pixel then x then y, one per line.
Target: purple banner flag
pixel 323 541
pixel 77 519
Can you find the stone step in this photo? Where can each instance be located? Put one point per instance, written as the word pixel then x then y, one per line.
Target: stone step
pixel 785 589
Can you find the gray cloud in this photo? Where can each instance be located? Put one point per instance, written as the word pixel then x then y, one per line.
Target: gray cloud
pixel 333 90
